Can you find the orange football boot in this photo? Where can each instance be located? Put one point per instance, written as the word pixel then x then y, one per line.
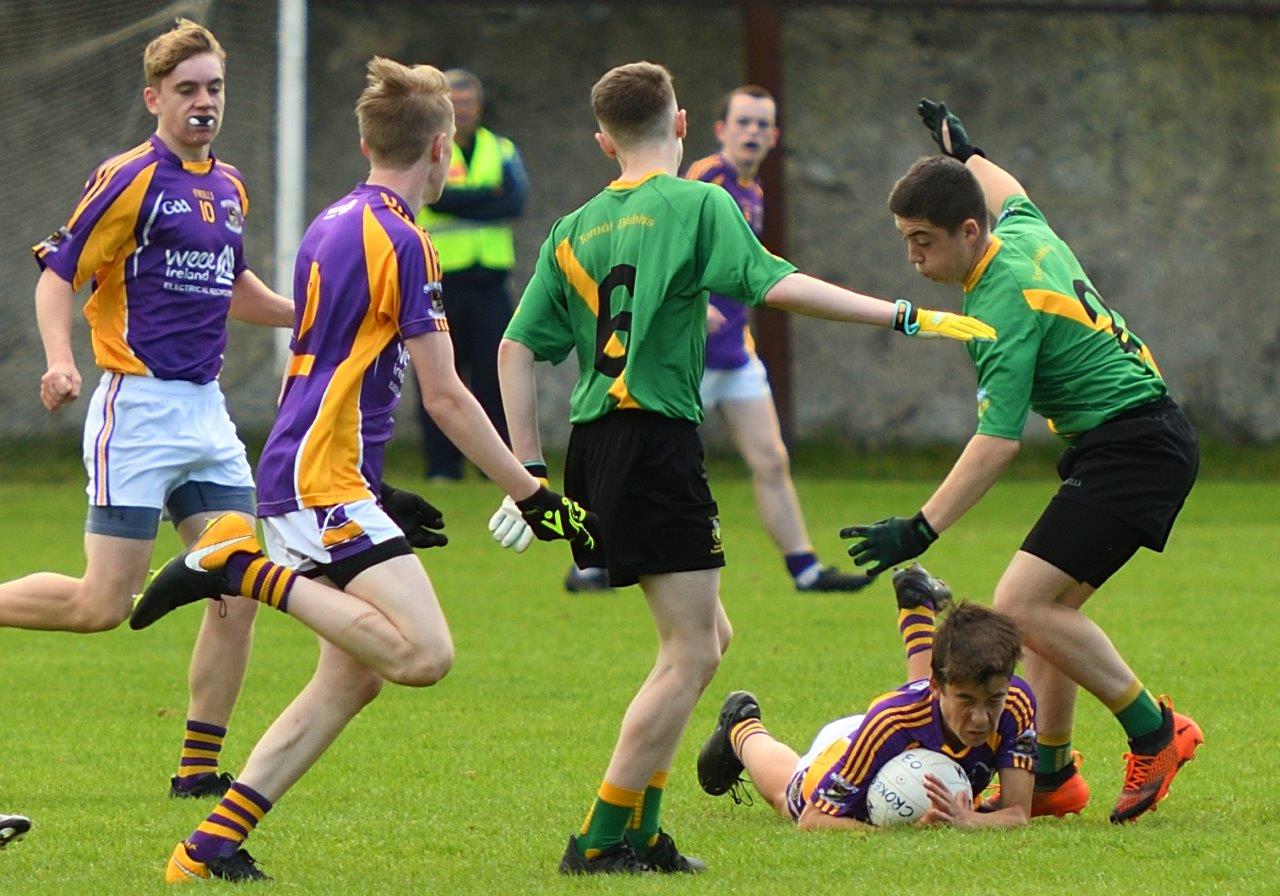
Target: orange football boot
pixel 1147 777
pixel 1068 798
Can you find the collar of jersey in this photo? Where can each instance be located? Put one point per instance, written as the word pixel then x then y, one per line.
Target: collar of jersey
pixel 981 267
pixel 169 155
pixel 632 184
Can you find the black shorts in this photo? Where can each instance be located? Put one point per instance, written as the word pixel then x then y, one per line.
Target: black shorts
pixel 1123 485
pixel 642 474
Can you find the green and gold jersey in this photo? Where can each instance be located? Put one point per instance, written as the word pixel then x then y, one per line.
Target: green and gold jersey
pixel 624 280
pixel 1062 351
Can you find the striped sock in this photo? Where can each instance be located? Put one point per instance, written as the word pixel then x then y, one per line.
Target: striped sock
pixel 221 834
pixel 253 576
pixel 642 830
pixel 803 566
pixel 606 823
pixel 1053 753
pixel 744 731
pixel 200 749
pixel 916 626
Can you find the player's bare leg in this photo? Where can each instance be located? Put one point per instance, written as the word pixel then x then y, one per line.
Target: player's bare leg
pixel 753 426
pixel 686 610
pixel 770 763
pixel 339 689
pixel 115 570
pixel 388 618
pixel 1030 592
pixel 221 653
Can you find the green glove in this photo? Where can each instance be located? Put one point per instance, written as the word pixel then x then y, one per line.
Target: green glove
pixel 889 542
pixel 947 131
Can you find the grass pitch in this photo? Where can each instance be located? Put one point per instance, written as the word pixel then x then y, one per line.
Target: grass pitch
pixel 474 785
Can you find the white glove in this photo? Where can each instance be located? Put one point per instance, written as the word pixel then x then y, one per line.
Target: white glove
pixel 509 528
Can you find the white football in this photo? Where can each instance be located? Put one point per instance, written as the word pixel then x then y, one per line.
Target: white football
pixel 897 795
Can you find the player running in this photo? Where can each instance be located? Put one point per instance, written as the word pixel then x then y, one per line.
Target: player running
pixel 623 281
pixel 1131 460
pixel 368 287
pixel 961 699
pixel 158 234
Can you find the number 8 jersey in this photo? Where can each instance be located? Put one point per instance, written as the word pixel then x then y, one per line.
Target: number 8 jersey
pixel 1062 352
pixel 624 281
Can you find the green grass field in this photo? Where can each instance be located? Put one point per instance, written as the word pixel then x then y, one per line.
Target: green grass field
pixel 473 786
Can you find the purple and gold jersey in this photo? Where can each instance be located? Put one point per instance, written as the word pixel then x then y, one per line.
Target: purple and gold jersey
pixel 366 279
pixel 161 241
pixel 837 781
pixel 731 346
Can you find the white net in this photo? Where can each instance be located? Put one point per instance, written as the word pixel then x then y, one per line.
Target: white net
pixel 70 96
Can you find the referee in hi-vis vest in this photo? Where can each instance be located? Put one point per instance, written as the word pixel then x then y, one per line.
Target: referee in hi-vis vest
pixel 471 228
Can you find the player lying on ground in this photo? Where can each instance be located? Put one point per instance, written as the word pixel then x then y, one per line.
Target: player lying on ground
pixel 1131 459
pixel 622 282
pixel 962 700
pixel 368 289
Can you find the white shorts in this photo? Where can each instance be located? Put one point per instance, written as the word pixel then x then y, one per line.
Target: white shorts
pixel 145 437
pixel 305 539
pixel 830 733
pixel 739 384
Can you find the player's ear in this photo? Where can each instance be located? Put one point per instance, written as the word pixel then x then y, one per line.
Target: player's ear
pixel 606 145
pixel 364 149
pixel 682 124
pixel 970 229
pixel 720 128
pixel 151 96
pixel 440 144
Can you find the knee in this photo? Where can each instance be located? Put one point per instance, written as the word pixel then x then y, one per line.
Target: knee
pixel 1020 611
pixel 772 464
pixel 724 634
pixel 99 611
pixel 423 666
pixel 699 666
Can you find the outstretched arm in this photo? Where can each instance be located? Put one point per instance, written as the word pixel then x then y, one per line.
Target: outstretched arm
pixel 816 298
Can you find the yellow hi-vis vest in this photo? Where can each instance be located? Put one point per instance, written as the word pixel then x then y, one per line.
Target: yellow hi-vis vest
pixel 461 243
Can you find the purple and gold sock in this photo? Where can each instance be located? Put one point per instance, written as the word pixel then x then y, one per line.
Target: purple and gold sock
pixel 221 834
pixel 200 749
pixel 916 626
pixel 257 578
pixel 744 731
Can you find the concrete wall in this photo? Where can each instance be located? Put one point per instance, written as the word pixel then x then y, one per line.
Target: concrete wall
pixel 1150 142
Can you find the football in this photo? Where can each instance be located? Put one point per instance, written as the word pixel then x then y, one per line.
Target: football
pixel 897 795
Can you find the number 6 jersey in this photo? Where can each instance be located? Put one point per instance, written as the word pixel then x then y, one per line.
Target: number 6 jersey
pixel 624 280
pixel 1062 352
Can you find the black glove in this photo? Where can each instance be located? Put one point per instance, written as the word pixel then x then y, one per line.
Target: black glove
pixel 889 542
pixel 415 516
pixel 552 516
pixel 951 139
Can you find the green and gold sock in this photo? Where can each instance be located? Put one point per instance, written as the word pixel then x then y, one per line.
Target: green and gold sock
pixel 1138 712
pixel 642 830
pixel 606 823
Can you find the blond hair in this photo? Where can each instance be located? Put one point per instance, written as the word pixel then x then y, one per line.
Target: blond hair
pixel 634 103
pixel 176 46
pixel 401 109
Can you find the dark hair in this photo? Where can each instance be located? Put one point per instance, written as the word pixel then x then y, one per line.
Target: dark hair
pixel 634 102
pixel 752 90
pixel 940 190
pixel 973 644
